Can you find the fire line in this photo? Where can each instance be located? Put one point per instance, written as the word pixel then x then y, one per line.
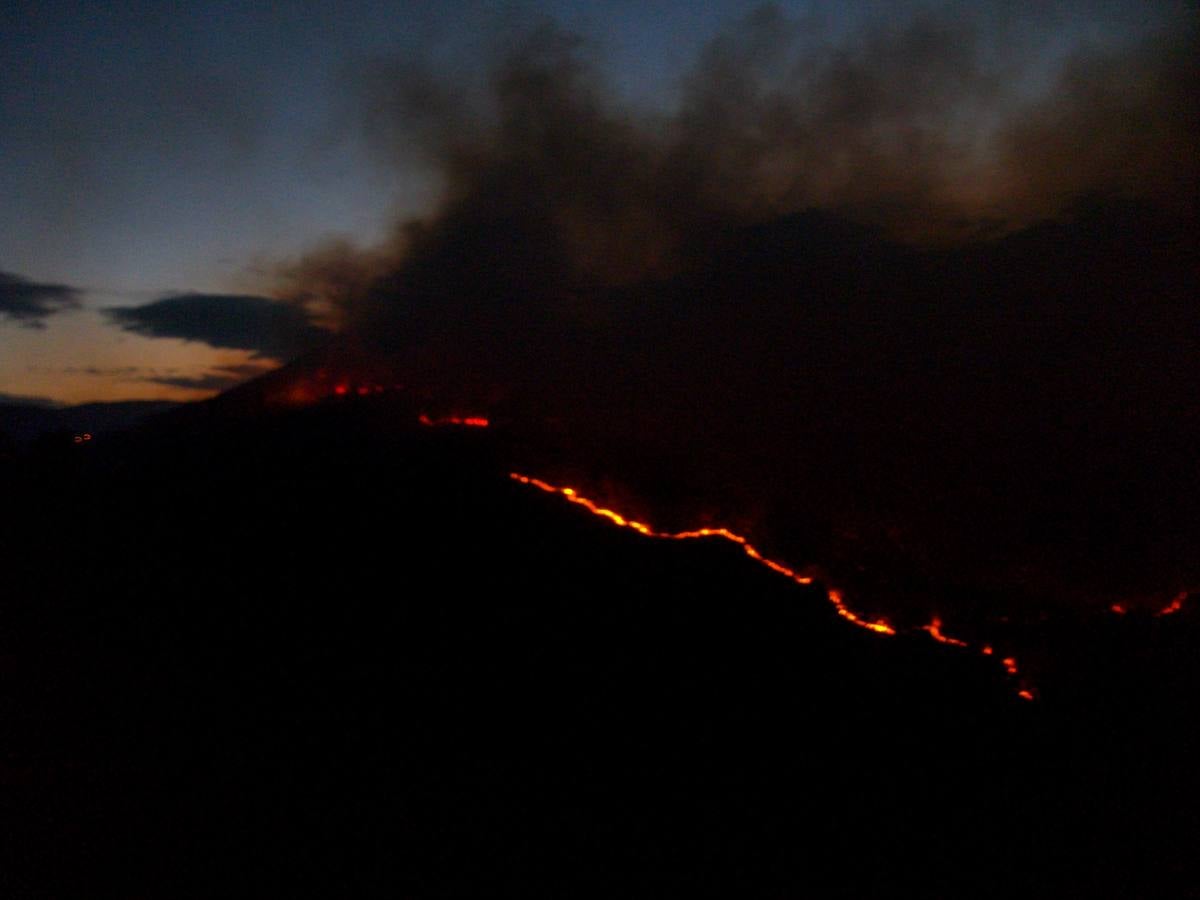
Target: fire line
pixel 879 626
pixel 462 421
pixel 834 596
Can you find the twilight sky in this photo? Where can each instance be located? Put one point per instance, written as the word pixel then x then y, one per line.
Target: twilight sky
pixel 159 164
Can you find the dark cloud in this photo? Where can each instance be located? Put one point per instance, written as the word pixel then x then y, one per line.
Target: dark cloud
pixel 267 327
pixel 1120 124
pixel 929 126
pixel 123 372
pixel 218 379
pixel 31 302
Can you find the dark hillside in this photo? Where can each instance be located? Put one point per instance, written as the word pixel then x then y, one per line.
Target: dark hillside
pixel 322 654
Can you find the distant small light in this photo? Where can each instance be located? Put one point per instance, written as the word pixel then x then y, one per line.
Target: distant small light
pixel 340 390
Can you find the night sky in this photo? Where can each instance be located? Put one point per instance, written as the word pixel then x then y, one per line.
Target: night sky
pixel 167 172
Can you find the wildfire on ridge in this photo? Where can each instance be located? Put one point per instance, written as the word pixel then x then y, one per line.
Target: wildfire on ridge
pixel 879 626
pixel 461 421
pixel 1176 605
pixel 934 630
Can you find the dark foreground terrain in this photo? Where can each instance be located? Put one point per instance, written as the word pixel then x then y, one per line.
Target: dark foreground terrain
pixel 323 654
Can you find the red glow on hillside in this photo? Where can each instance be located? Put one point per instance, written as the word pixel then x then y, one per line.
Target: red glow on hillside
pixel 1174 606
pixel 461 421
pixel 879 626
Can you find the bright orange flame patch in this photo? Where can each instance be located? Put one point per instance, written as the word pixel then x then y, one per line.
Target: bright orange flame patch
pixel 934 630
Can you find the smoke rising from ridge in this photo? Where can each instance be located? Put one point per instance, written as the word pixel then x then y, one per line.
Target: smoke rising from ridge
pixel 927 127
pixel 903 277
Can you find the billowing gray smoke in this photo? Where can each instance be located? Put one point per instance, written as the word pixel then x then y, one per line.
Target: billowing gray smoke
pixel 905 278
pixel 936 126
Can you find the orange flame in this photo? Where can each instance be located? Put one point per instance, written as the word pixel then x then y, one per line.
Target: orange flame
pixel 934 629
pixel 879 626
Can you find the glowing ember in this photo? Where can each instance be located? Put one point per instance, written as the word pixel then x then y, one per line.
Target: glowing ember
pixel 1119 609
pixel 461 421
pixel 1174 606
pixel 934 629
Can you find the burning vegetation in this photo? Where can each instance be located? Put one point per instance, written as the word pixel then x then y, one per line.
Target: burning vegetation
pixel 877 626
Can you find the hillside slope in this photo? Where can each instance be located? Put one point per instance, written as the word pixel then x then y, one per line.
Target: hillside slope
pixel 324 653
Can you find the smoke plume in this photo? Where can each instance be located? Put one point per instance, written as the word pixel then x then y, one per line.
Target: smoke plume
pixel 901 275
